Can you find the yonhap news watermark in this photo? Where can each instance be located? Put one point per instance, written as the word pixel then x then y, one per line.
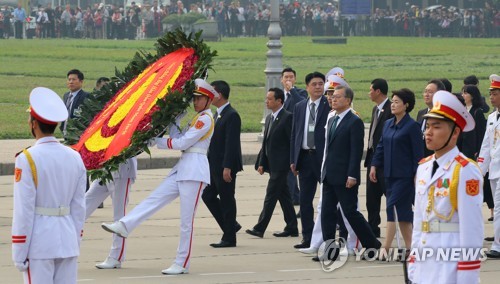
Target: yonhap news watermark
pixel 333 254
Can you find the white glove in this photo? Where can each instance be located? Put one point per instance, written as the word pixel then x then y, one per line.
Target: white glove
pixel 161 143
pixel 151 142
pixel 22 266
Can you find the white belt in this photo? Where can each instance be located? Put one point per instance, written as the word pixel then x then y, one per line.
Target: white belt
pixel 195 150
pixel 61 211
pixel 437 227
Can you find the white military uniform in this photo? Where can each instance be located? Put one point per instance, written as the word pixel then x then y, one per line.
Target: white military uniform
pixel 119 190
pixel 447 212
pixel 48 217
pixel 187 179
pixel 489 161
pixel 432 229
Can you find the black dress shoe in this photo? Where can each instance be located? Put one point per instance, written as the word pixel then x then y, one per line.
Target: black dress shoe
pixel 223 244
pixel 302 245
pixel 237 227
pixel 253 232
pixel 489 239
pixel 493 254
pixel 286 234
pixel 315 259
pixel 490 219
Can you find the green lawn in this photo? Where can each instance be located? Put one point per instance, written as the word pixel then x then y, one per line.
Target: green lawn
pixel 404 62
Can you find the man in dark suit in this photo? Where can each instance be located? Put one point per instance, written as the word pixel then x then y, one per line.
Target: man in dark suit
pixel 381 112
pixel 274 158
pixel 432 87
pixel 224 157
pixel 293 95
pixel 341 171
pixel 307 145
pixel 76 95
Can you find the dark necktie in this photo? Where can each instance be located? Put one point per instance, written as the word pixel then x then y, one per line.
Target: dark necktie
pixel 498 116
pixel 216 117
pixel 372 130
pixel 435 166
pixel 69 102
pixel 270 125
pixel 310 127
pixel 333 127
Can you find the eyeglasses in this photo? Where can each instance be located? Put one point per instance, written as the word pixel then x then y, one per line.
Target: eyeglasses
pixel 337 97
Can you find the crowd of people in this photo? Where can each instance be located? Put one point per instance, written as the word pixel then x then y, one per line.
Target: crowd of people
pixel 233 20
pixel 439 21
pixel 430 171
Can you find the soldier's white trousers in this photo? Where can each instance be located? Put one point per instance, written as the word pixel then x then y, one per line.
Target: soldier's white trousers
pixel 119 191
pixel 189 193
pixel 317 234
pixel 495 190
pixel 52 271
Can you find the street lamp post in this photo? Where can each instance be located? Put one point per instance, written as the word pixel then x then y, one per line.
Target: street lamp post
pixel 274 64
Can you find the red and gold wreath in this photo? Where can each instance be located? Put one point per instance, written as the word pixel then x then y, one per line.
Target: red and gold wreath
pixel 131 108
pixel 130 111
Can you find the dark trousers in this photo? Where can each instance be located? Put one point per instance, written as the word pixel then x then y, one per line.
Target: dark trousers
pixel 309 175
pixel 292 187
pixel 348 199
pixel 277 190
pixel 374 193
pixel 220 201
pixel 18 26
pixel 488 196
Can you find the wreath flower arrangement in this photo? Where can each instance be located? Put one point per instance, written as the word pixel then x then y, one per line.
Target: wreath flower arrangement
pixel 115 123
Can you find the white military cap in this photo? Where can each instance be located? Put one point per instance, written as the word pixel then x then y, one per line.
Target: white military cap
pixel 334 81
pixel 204 89
pixel 495 81
pixel 46 106
pixel 337 71
pixel 447 106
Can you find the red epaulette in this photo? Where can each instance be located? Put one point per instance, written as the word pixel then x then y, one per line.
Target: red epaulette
pixel 461 160
pixel 426 159
pixel 17 154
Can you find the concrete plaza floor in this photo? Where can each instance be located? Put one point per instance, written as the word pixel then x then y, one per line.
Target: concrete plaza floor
pixel 152 246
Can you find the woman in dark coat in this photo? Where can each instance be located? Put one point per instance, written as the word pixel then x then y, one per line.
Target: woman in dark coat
pixel 398 152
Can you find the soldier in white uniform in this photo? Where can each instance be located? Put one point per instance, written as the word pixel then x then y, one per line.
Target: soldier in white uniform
pixel 119 189
pixel 448 199
pixel 49 204
pixel 489 160
pixel 187 179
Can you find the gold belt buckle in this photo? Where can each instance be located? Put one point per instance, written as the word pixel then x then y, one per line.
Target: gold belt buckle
pixel 425 227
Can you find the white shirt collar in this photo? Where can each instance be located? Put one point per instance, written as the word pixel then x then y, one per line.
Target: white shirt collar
pixel 445 160
pixel 342 114
pixel 46 139
pixel 75 92
pixel 221 108
pixel 275 114
pixel 381 105
pixel 316 102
